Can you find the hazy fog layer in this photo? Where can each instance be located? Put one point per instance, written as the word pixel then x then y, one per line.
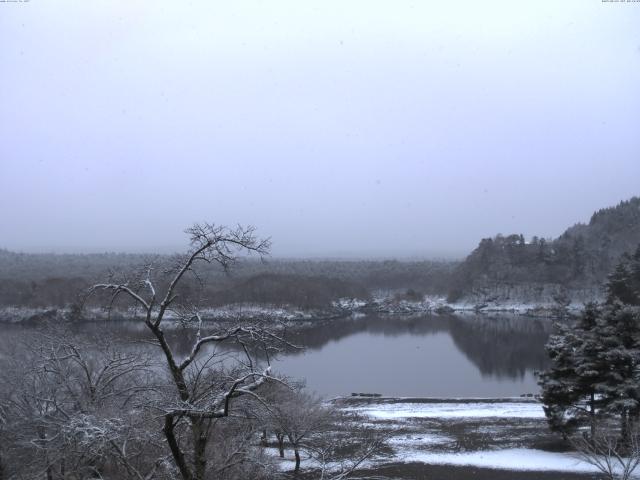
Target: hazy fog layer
pixel 338 128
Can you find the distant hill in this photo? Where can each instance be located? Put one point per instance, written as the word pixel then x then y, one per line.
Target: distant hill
pixel 580 258
pixel 501 269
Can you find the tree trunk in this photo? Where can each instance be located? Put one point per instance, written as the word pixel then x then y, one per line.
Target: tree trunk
pixel 199 450
pixel 42 434
pixel 624 428
pixel 296 452
pixel 263 438
pixel 178 456
pixel 592 416
pixel 280 438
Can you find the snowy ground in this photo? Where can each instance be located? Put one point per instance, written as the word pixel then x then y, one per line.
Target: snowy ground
pixel 500 434
pixel 473 409
pixel 518 459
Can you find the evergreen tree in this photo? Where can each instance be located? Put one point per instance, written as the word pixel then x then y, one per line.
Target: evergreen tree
pixel 624 282
pixel 596 359
pixel 569 387
pixel 617 289
pixel 619 335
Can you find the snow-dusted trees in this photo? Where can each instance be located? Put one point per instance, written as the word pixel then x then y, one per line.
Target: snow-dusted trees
pixel 624 282
pixel 570 386
pixel 179 398
pixel 297 416
pixel 595 368
pixel 340 455
pixel 68 409
pixel 335 442
pixel 206 382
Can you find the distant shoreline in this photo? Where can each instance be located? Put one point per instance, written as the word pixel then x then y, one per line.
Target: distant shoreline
pixel 31 315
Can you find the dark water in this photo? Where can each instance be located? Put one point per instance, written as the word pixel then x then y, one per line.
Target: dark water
pixel 422 356
pixel 470 355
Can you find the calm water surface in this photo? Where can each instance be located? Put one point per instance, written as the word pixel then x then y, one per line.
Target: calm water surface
pixel 470 355
pixel 422 356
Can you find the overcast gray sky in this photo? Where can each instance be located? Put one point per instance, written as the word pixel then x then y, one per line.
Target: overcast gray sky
pixel 357 128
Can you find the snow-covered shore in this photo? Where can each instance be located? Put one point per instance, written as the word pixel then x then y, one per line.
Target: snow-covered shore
pixel 429 431
pixel 380 303
pixel 469 408
pixel 388 303
pixel 12 314
pixel 518 459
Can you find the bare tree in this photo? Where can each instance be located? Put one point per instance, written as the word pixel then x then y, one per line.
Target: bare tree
pixel 297 416
pixel 344 452
pixel 614 456
pixel 70 409
pixel 203 385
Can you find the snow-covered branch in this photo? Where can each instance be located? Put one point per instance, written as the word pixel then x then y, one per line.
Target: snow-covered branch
pixel 120 288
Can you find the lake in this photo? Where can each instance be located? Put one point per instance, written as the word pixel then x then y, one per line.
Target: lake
pixel 464 356
pixel 396 355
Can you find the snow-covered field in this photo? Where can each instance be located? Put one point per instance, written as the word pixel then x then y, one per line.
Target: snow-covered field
pixel 519 459
pixel 479 409
pixel 434 430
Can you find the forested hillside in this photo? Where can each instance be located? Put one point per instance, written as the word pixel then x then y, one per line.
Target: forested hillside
pixel 580 258
pixel 52 280
pixel 503 268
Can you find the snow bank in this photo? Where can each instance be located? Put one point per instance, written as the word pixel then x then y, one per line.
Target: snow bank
pixel 522 459
pixel 394 411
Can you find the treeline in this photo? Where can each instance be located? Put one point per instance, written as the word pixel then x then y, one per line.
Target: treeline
pixel 299 290
pixel 582 256
pixel 52 280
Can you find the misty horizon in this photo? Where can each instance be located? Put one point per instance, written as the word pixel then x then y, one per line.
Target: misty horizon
pixel 344 256
pixel 411 131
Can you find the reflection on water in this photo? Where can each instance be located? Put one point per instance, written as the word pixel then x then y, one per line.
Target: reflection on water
pixel 422 356
pixel 470 355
